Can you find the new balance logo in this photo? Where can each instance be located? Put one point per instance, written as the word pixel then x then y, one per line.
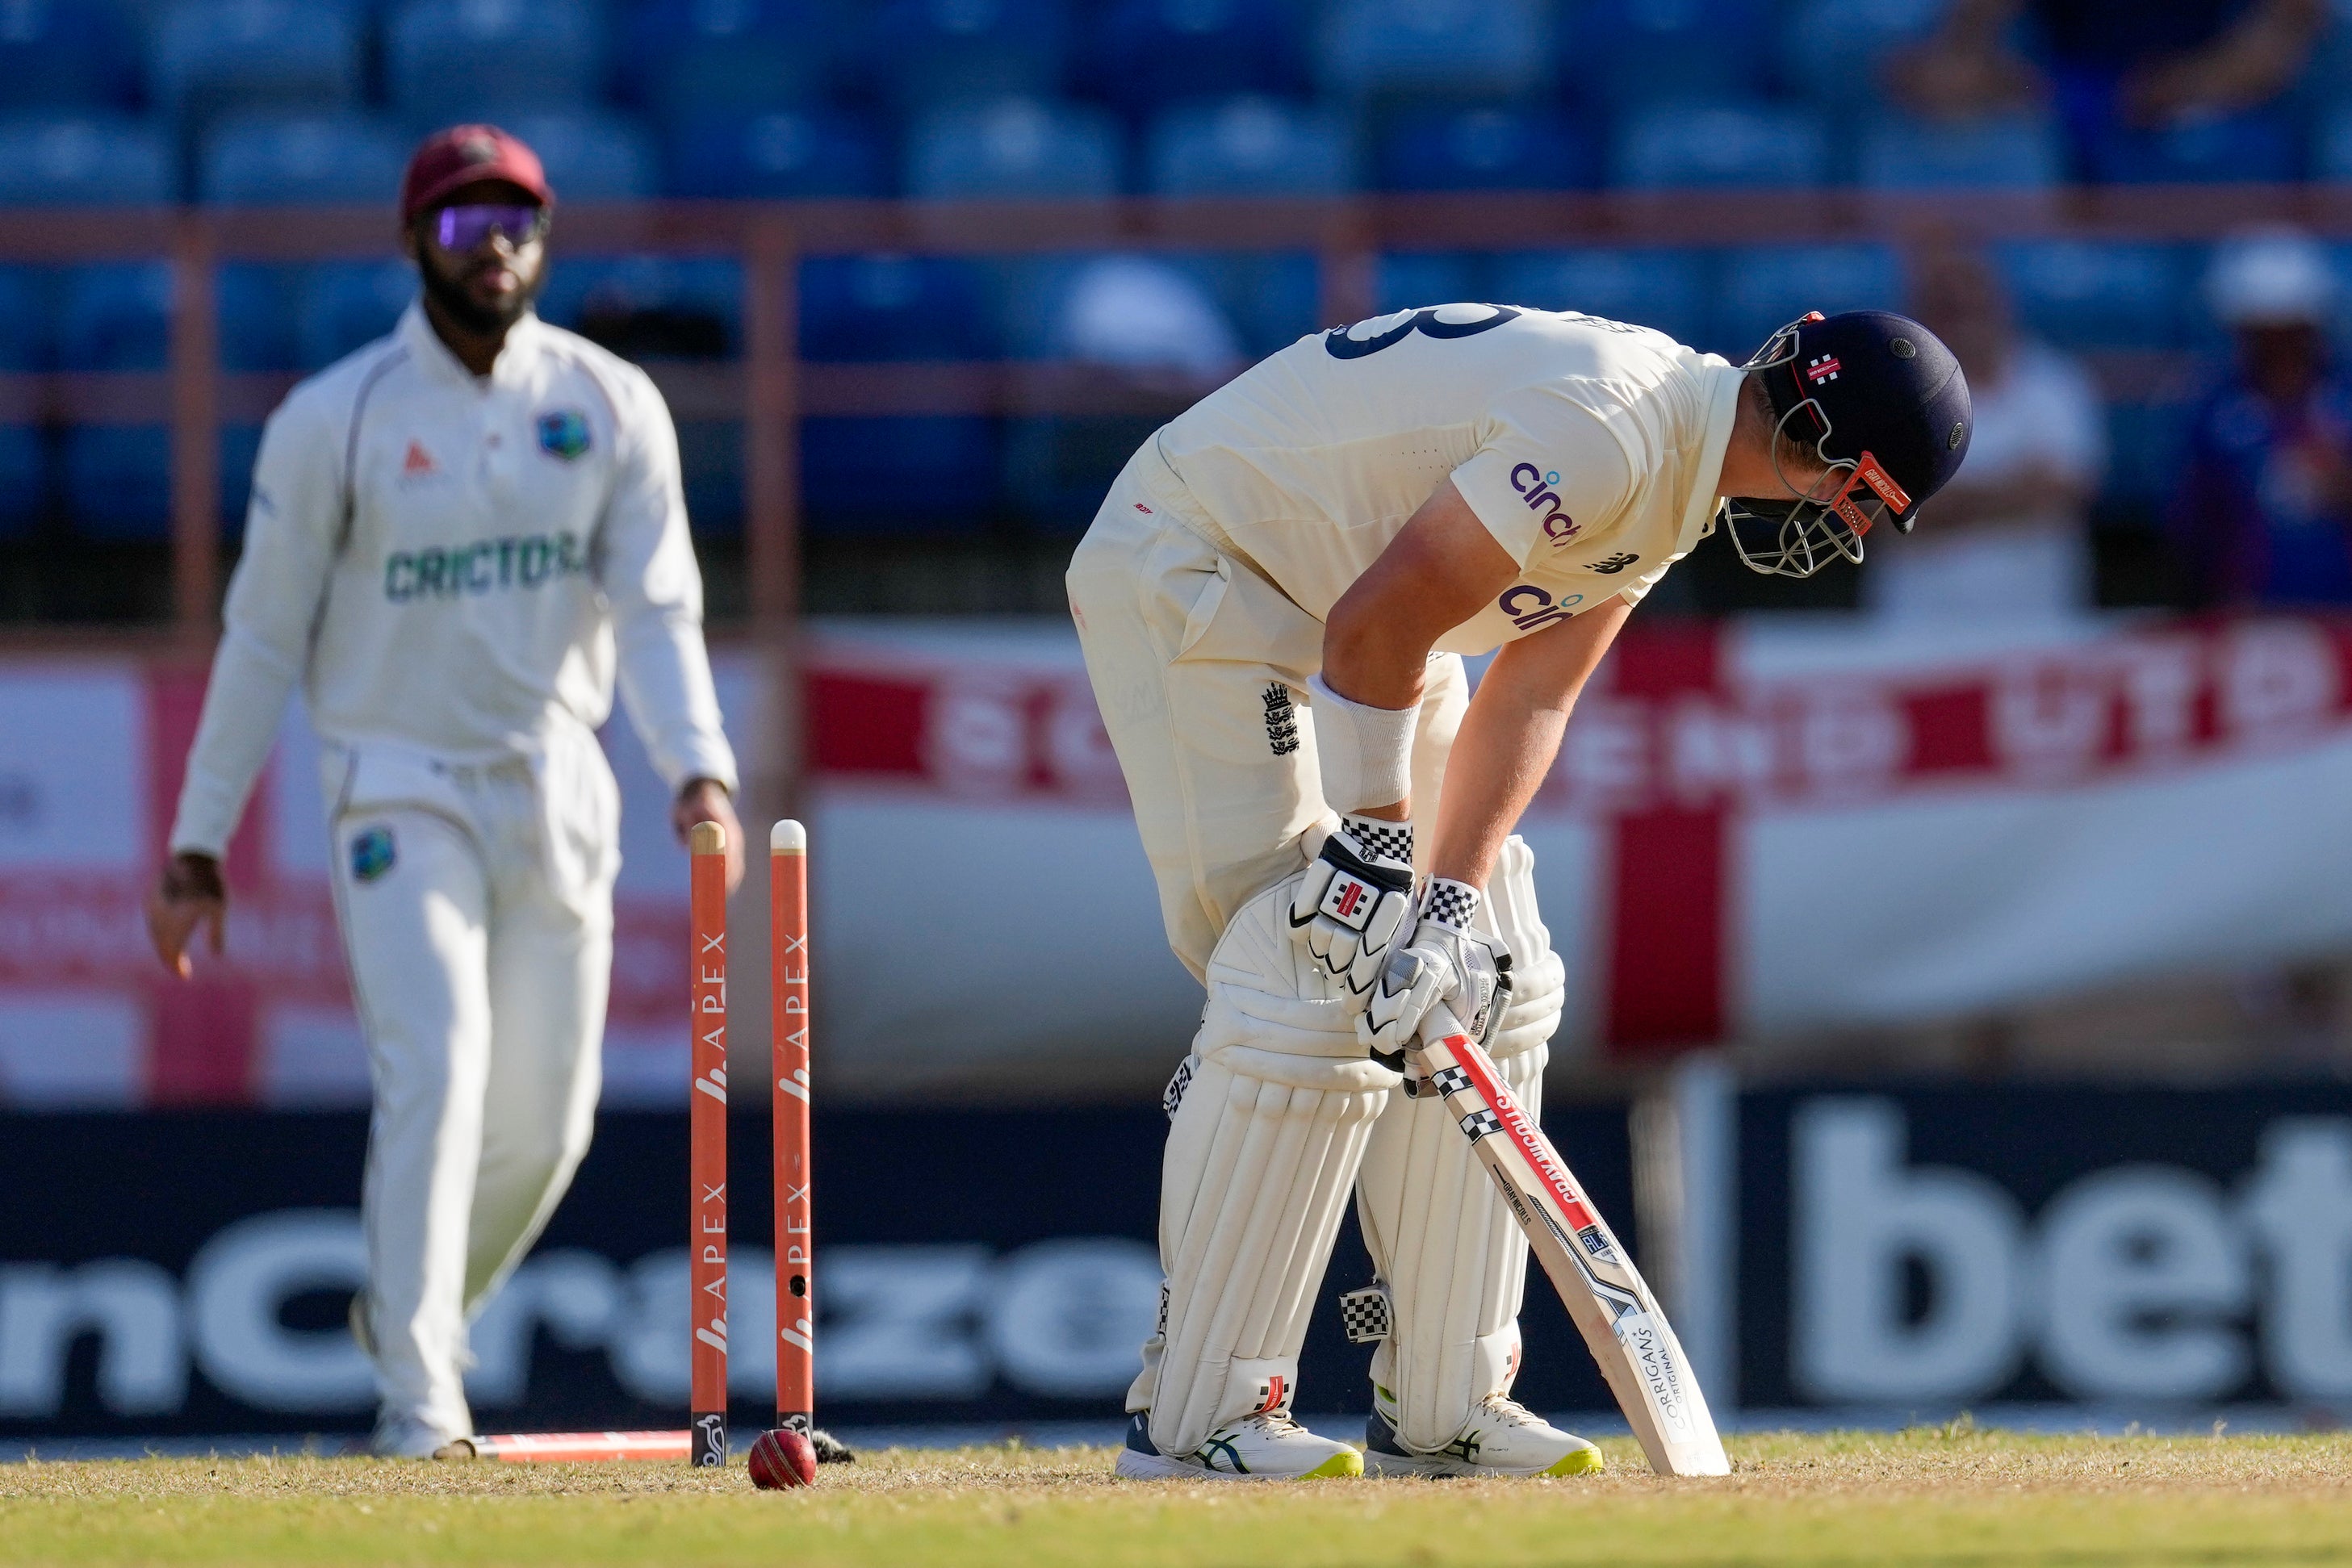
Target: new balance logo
pixel 1613 564
pixel 1281 719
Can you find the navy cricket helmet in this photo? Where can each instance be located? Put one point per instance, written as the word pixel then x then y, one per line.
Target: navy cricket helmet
pixel 1882 403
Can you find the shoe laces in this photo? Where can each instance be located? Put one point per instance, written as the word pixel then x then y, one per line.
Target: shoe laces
pixel 1509 1411
pixel 1274 1423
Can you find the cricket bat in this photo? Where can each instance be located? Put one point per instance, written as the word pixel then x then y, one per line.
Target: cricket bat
pixel 1613 1308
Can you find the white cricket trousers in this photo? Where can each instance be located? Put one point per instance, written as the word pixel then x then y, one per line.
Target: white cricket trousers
pixel 1200 666
pixel 476 904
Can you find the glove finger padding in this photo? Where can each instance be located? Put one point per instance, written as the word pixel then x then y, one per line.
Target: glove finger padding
pixel 1355 897
pixel 1444 963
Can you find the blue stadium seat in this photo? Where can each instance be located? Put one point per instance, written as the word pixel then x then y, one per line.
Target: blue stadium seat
pixel 1249 147
pixel 301 159
pixel 1834 53
pixel 1139 313
pixel 259 315
pixel 116 316
pixel 1760 289
pixel 2085 294
pixel 84 162
pixel 2331 146
pixel 1629 54
pixel 57 55
pixel 1665 290
pixel 448 61
pixel 27 341
pixel 1013 148
pixel 240 444
pixel 2258 144
pixel 2017 152
pixel 1476 51
pixel 118 480
pixel 24 479
pixel 927 54
pixel 1409 281
pixel 883 307
pixel 1719 145
pixel 732 57
pixel 1145 55
pixel 924 474
pixel 590 156
pixel 208 57
pixel 701 295
pixel 24 346
pixel 777 156
pixel 345 305
pixel 1485 149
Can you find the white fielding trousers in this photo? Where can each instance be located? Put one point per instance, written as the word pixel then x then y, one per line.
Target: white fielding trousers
pixel 475 905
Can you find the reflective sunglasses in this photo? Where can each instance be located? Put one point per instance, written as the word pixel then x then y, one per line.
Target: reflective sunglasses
pixel 464 228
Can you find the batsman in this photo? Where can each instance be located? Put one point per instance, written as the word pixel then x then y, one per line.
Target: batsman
pixel 1275 601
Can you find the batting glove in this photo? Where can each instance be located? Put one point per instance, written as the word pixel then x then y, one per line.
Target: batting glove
pixel 1355 898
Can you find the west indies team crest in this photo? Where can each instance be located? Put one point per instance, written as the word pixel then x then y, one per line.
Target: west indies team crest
pixel 563 433
pixel 373 852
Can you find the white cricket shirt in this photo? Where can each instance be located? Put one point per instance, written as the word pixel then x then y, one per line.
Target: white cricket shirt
pixel 1589 448
pixel 461 566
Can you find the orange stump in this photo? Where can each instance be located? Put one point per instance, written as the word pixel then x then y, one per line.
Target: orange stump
pixel 707 1132
pixel 788 959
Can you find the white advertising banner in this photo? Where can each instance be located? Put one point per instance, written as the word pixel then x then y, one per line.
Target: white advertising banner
pixel 1763 829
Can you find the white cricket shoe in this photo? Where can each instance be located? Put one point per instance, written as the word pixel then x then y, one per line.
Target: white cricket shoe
pixel 1264 1447
pixel 1502 1437
pixel 406 1438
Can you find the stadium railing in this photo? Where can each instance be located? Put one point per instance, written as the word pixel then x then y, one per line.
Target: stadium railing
pixel 770 388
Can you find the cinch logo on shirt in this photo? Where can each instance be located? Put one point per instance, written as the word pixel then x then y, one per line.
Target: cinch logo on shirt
pixel 1535 485
pixel 482 566
pixel 1531 607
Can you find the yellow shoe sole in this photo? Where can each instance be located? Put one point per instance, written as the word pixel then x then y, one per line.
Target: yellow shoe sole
pixel 1582 1462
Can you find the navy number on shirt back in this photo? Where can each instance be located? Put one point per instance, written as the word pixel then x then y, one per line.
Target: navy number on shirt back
pixel 1342 347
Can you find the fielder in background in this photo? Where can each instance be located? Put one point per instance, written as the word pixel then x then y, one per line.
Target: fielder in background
pixel 459 536
pixel 1337 528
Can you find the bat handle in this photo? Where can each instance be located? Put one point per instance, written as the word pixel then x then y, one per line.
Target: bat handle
pixel 1439 1023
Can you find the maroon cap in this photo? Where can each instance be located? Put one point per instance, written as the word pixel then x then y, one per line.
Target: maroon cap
pixel 452 159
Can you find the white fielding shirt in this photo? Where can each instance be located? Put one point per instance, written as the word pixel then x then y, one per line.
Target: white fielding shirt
pixel 461 567
pixel 1589 448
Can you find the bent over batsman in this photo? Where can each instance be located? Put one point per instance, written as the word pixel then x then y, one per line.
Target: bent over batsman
pixel 1273 601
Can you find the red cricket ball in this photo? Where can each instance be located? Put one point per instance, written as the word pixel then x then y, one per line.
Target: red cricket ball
pixel 783 1458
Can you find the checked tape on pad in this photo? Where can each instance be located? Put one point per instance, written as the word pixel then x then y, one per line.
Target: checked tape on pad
pixel 1451 1261
pixel 1267 1130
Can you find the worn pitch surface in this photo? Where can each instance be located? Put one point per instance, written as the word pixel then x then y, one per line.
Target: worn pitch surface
pixel 1932 1495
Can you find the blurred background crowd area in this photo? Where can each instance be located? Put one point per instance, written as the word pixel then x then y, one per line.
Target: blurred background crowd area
pixel 2162 423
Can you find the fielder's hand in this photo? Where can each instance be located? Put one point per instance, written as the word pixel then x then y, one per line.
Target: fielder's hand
pixel 1356 897
pixel 706 800
pixel 189 894
pixel 1446 966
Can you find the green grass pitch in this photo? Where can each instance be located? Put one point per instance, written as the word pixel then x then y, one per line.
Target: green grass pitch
pixel 1930 1496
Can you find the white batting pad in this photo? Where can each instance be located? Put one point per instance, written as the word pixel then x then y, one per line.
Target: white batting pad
pixel 1264 1145
pixel 1452 1259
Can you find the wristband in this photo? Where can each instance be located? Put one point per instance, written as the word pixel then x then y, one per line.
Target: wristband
pixel 1451 902
pixel 1365 754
